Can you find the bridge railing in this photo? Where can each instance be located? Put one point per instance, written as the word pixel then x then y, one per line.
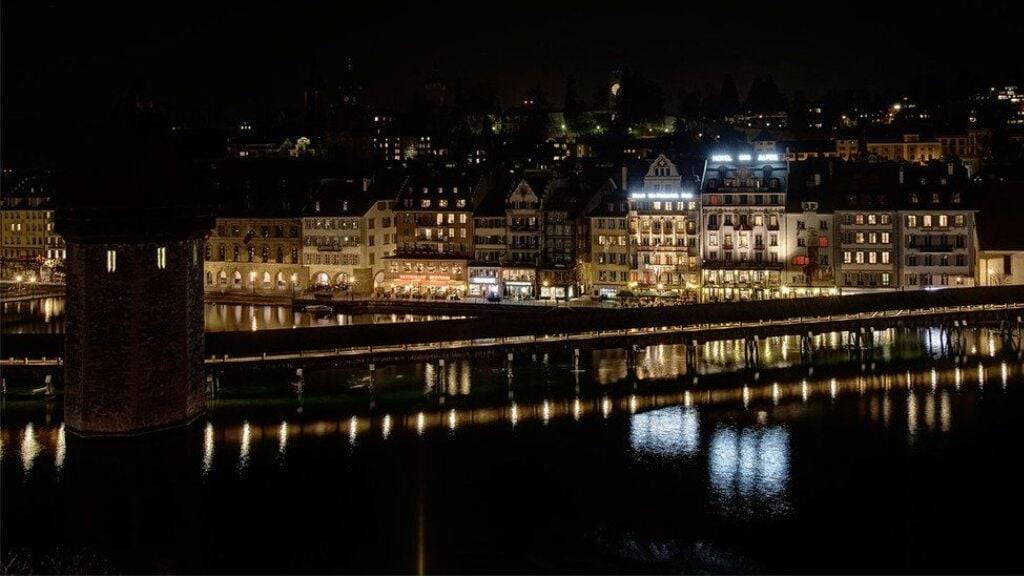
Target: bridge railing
pixel 555 321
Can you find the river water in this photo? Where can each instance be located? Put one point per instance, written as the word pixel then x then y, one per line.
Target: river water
pixel 46 315
pixel 906 460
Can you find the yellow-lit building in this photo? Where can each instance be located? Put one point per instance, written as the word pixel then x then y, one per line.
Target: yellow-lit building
pixel 909 149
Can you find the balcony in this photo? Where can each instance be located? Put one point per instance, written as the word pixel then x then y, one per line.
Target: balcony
pixel 933 249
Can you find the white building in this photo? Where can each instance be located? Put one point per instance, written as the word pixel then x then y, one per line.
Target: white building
pixel 743 199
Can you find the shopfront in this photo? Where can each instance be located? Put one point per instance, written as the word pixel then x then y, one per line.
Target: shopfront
pixel 484 281
pixel 519 282
pixel 426 278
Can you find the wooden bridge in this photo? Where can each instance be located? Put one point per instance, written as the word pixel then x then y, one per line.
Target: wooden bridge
pixel 859 317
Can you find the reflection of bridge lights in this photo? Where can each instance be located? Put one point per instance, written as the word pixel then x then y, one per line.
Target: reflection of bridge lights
pixel 911 413
pixel 385 428
pixel 243 451
pixel 957 378
pixel 29 448
pixel 935 380
pixel 981 375
pixel 352 429
pixel 282 437
pixel 775 393
pixel 576 408
pixel 687 398
pixel 804 391
pixel 632 403
pixel 1004 373
pixel 421 423
pixel 513 414
pixel 61 450
pixel 606 406
pixel 833 388
pixel 208 447
pixel 746 396
pixel 546 411
pixel 452 420
pixel 945 412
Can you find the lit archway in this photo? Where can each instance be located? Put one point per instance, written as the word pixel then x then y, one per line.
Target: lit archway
pixel 237 279
pixel 322 279
pixel 281 284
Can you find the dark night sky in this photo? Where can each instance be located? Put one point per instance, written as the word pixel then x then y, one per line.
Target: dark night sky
pixel 63 62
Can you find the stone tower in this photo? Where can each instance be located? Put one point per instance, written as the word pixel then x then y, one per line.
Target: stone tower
pixel 134 228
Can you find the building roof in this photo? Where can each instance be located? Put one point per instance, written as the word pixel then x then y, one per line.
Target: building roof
pixel 999 228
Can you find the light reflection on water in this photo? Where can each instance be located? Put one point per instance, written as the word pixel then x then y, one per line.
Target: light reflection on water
pixel 665 423
pixel 46 315
pixel 667 432
pixel 749 464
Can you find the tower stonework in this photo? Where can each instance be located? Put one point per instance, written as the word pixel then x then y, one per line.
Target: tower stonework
pixel 134 357
pixel 134 216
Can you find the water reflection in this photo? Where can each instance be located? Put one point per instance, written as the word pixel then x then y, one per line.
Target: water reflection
pixel 46 315
pixel 750 463
pixel 666 432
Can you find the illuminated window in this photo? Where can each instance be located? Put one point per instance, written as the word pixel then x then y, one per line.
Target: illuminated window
pixel 111 260
pixel 161 257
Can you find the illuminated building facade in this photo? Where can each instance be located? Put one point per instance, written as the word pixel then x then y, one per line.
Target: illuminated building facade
pixel 434 225
pixel 866 226
pixel 663 229
pixel 347 232
pixel 743 214
pixel 936 219
pixel 29 247
pixel 911 148
pixel 255 254
pixel 809 233
pixel 523 218
pixel 609 266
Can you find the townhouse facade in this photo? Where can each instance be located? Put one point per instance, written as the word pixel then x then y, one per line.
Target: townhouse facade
pixel 743 201
pixel 664 217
